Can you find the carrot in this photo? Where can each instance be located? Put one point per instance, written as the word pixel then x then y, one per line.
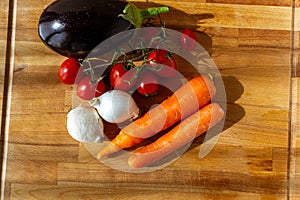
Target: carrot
pixel 183 102
pixel 186 131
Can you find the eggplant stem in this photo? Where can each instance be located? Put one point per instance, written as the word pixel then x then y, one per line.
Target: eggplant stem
pixel 150 12
pixel 136 16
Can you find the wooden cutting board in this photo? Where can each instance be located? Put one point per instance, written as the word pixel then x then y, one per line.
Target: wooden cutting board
pixel 255 47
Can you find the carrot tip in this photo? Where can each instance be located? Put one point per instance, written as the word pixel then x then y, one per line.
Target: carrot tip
pixel 101 155
pixel 134 163
pixel 107 150
pixel 131 162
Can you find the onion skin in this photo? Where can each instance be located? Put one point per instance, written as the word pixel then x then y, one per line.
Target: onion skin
pixel 116 106
pixel 73 28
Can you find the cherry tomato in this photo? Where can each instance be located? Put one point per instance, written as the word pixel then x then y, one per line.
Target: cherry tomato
pixel 121 78
pixel 68 71
pixel 87 90
pixel 162 63
pixel 148 84
pixel 188 40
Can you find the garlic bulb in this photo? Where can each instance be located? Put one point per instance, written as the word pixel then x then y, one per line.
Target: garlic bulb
pixel 116 106
pixel 84 124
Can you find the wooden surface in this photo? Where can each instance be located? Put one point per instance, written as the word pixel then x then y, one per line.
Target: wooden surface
pixel 255 46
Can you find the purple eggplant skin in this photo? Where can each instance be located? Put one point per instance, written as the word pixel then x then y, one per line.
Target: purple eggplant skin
pixel 73 28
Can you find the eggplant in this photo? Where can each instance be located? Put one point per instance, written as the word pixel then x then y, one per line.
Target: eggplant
pixel 73 28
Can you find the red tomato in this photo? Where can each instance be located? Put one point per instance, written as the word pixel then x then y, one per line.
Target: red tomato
pixel 121 78
pixel 87 90
pixel 162 63
pixel 148 84
pixel 188 40
pixel 68 71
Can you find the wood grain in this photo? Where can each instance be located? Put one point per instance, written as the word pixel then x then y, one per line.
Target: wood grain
pixel 257 153
pixel 4 7
pixel 198 14
pixel 3 45
pixel 88 192
pixel 254 2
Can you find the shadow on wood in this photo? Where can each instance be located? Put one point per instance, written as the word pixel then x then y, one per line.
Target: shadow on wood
pixel 234 113
pixel 179 20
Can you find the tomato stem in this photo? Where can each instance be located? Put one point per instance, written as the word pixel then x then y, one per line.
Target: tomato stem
pixel 210 76
pixel 137 72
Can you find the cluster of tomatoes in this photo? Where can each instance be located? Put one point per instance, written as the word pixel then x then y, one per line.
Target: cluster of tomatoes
pixel 126 76
pixel 144 78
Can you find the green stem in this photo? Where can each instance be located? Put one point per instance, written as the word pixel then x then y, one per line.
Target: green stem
pixel 136 16
pixel 151 12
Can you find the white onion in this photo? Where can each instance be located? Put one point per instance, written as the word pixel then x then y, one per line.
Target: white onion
pixel 84 124
pixel 116 106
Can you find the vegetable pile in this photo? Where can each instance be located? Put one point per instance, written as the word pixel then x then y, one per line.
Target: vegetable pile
pixel 115 90
pixel 191 102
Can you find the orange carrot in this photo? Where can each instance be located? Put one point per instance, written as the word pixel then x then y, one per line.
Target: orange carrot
pixel 186 131
pixel 193 95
